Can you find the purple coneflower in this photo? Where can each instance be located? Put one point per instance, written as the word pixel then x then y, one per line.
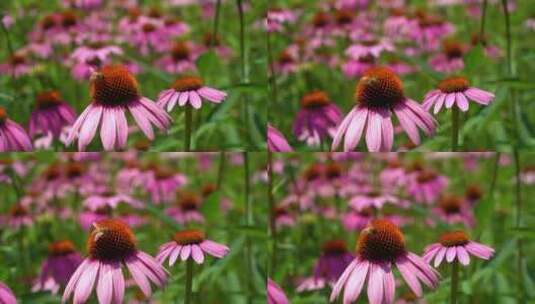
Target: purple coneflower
pixel 379 93
pixel 276 141
pixel 12 136
pixel 6 295
pixel 189 89
pixel 333 261
pixel 381 246
pixel 111 245
pixel 162 183
pixel 187 210
pixel 113 90
pixel 110 199
pixel 16 66
pixel 275 294
pixel 18 217
pixel 51 114
pixel 317 119
pixel 453 209
pixel 451 58
pixel 372 199
pixel 181 59
pixel 356 68
pixel 56 270
pixel 455 90
pixel 426 185
pixel 456 245
pixel 190 244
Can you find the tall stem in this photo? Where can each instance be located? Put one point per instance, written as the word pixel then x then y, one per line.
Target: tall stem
pixel 454 129
pixel 454 282
pixel 249 222
pixel 243 71
pixel 216 24
pixel 483 19
pixel 221 170
pixel 272 227
pixel 187 132
pixel 9 47
pixel 518 223
pixel 271 66
pixel 509 57
pixel 189 280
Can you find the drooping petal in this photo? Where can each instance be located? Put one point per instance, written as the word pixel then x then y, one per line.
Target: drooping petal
pixel 197 254
pixel 375 284
pixel 463 256
pixel 355 283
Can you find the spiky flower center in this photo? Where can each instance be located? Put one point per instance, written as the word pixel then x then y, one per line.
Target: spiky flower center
pixel 280 211
pixel 48 99
pixel 426 176
pixel 454 84
pixel 189 237
pixel 452 49
pixel 155 13
pixel 315 99
pixel 334 247
pixel 111 240
pixel 17 59
pixel 3 114
pixel 454 238
pixel 381 241
pixel 450 204
pixel 114 85
pixel 474 192
pixel 321 19
pixel 344 16
pixel 18 211
pixel 189 201
pixel 52 172
pixel 312 173
pixel 61 248
pixel 69 19
pixel 285 57
pixel 208 189
pixel 75 169
pixel 211 39
pixel 380 87
pixel 187 83
pixel 48 22
pixel 162 173
pixel 333 170
pixel 180 51
pixel 148 28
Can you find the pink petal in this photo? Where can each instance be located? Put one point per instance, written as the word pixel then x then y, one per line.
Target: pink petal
pixel 139 277
pixel 85 284
pixel 450 254
pixel 184 254
pixel 107 130
pixel 142 121
pixel 387 132
pixel 197 254
pixel 342 279
pixel 118 285
pixel 215 249
pixel 463 256
pixel 389 286
pixel 407 272
pixel 356 281
pixel 341 129
pixel 373 131
pixel 375 284
pixel 121 127
pixel 438 104
pixel 355 129
pixel 440 256
pixel 89 127
pixel 105 285
pixel 450 100
pixel 195 100
pixel 183 99
pixel 174 255
pixel 74 279
pixel 407 124
pixel 462 102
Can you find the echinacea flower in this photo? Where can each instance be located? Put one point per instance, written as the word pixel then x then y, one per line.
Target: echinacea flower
pixel 275 294
pixel 333 260
pixel 456 245
pixel 457 91
pixel 181 59
pixel 276 141
pixel 426 185
pixel 51 114
pixel 190 244
pixel 112 245
pixel 19 216
pixel 162 183
pixel 113 91
pixel 6 295
pixel 16 66
pixel 381 246
pixel 187 210
pixel 451 58
pixel 453 209
pixel 56 270
pixel 317 119
pixel 189 89
pixel 12 136
pixel 379 93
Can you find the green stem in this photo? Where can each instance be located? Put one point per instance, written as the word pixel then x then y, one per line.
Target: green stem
pixel 189 281
pixel 9 48
pixel 518 224
pixel 243 71
pixel 221 170
pixel 248 222
pixel 272 227
pixel 483 19
pixel 271 66
pixel 454 282
pixel 187 132
pixel 215 29
pixel 509 57
pixel 454 129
